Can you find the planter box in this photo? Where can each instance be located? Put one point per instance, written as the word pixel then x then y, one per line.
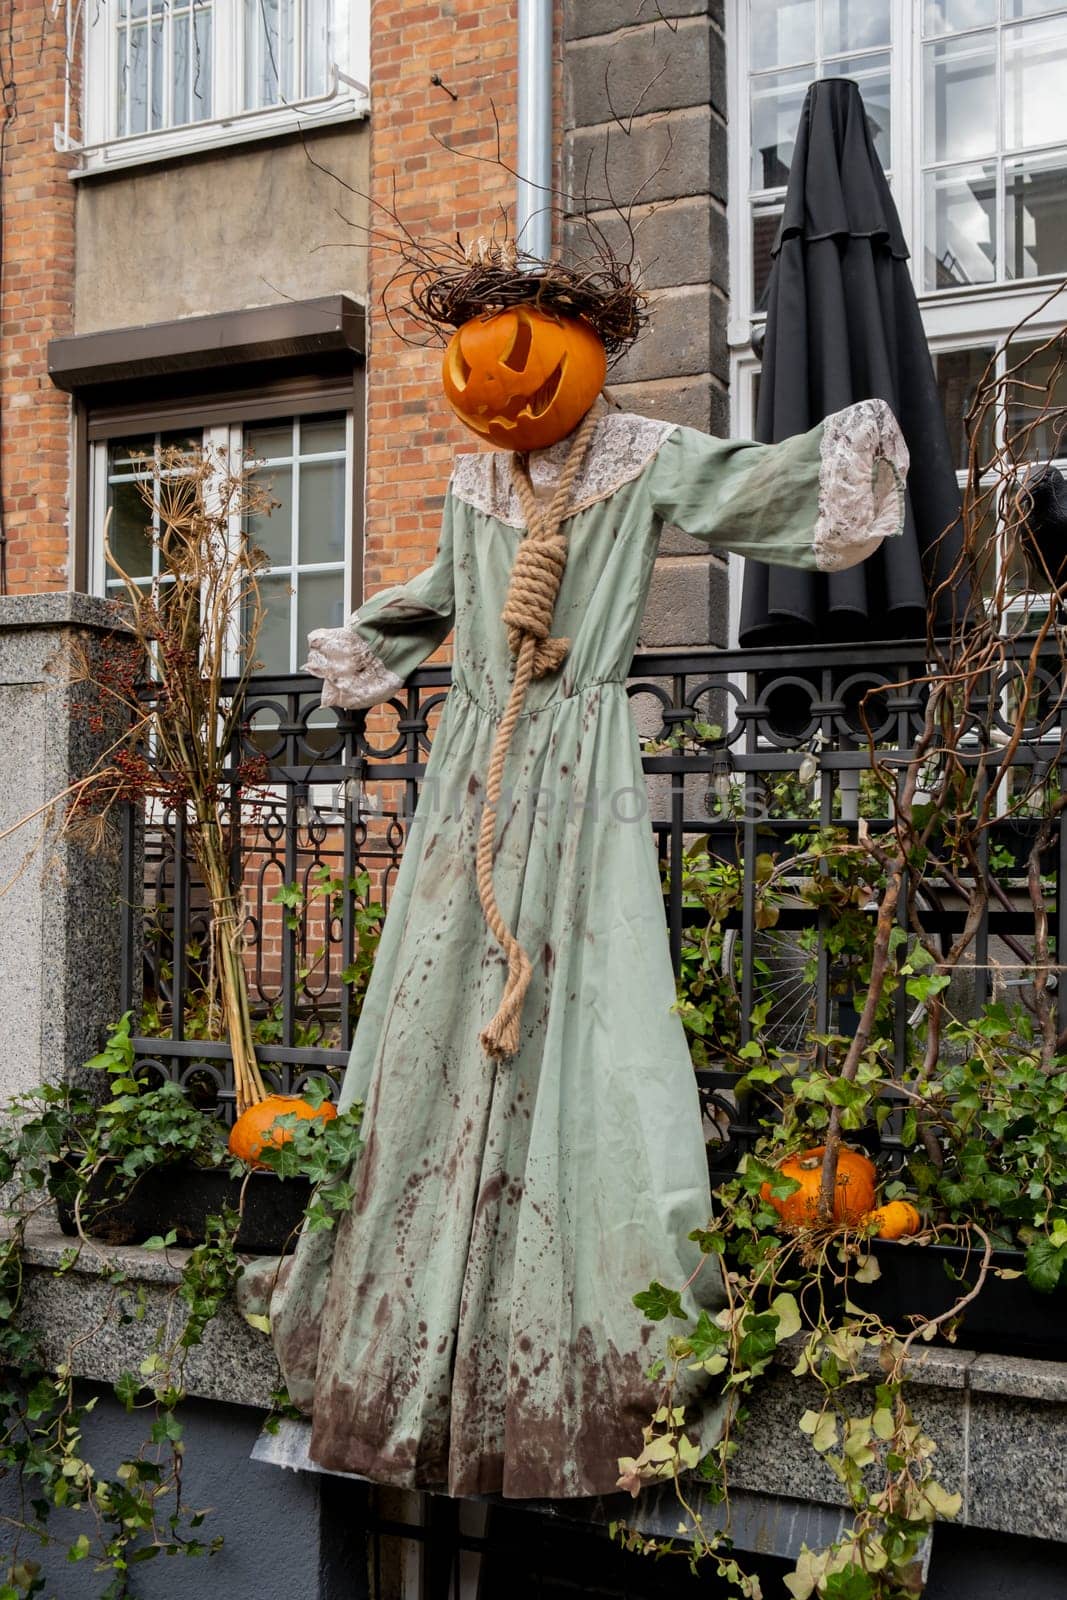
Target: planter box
pixel 183 1198
pixel 1009 1317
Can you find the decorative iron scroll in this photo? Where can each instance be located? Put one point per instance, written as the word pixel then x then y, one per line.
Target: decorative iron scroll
pixel 748 749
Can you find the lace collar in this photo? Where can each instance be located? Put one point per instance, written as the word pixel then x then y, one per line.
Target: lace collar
pixel 620 450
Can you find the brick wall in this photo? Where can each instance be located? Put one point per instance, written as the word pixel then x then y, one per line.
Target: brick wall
pixel 36 294
pixel 612 57
pixel 411 435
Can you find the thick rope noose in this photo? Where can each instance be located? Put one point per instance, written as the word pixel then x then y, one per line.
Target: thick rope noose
pixel 527 615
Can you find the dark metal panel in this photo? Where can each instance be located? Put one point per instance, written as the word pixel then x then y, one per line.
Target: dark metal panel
pixel 296 328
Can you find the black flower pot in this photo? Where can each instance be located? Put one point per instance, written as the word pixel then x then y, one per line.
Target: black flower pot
pixel 183 1198
pixel 1008 1317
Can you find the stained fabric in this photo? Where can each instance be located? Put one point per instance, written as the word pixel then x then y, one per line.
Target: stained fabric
pixel 843 325
pixel 469 1327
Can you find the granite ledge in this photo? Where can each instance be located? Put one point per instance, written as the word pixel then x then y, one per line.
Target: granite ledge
pixel 1000 1421
pixel 62 608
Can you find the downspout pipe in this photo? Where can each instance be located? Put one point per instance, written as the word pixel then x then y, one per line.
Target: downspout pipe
pixel 533 194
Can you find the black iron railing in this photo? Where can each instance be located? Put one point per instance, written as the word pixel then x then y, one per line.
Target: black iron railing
pixel 753 749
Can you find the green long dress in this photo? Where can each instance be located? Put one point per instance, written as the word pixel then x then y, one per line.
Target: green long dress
pixel 469 1326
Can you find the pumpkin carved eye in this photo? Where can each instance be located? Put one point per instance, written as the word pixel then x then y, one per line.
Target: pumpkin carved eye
pixel 458 366
pixel 523 378
pixel 518 353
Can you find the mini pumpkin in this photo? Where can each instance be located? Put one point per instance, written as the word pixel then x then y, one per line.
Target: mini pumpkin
pixel 895 1220
pixel 523 378
pixel 853 1191
pixel 255 1128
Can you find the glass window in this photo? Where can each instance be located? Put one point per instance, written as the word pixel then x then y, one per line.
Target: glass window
pixel 303 464
pixel 163 64
pixel 132 527
pixel 184 74
pixel 959 374
pixel 992 89
pixel 289 47
pixel 791 44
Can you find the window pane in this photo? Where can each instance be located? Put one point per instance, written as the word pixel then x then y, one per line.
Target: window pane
pixel 776 103
pixel 156 74
pixel 947 16
pixel 781 31
pixel 269 443
pixel 959 93
pixel 322 512
pixel 854 25
pixel 262 53
pixel 274 533
pixel 272 645
pixel 318 435
pixel 320 45
pixel 1036 400
pixel 320 604
pixel 1030 8
pixel 959 373
pixel 960 227
pixel 135 454
pixel 871 73
pixel 1035 221
pixel 128 533
pixel 201 100
pixel 764 233
pixel 180 46
pixel 137 80
pixel 1035 72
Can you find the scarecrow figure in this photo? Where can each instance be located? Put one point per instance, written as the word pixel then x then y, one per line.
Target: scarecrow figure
pixel 533 1144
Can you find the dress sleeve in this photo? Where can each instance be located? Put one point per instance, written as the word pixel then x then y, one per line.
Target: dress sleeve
pixel 391 634
pixel 821 500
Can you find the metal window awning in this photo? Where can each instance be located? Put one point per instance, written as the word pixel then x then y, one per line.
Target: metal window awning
pixel 266 337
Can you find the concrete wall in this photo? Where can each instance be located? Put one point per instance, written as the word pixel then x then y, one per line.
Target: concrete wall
pixel 60 950
pixel 248 226
pixel 287 1535
pixel 645 141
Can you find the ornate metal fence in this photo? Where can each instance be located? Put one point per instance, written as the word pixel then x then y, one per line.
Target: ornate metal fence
pixel 755 751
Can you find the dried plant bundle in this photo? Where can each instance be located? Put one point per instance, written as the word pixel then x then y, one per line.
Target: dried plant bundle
pixel 169 702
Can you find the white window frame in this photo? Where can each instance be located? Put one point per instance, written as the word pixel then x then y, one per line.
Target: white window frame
pixel 228 439
pixel 953 319
pixel 347 95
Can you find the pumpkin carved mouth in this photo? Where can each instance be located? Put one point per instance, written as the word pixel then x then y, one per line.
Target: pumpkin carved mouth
pixel 522 378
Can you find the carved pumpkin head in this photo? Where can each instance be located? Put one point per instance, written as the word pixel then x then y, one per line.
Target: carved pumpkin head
pixel 523 379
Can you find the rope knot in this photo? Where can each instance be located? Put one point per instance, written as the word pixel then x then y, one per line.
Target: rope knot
pixel 531 600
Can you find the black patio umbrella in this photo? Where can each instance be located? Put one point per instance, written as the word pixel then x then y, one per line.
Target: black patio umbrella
pixel 843 325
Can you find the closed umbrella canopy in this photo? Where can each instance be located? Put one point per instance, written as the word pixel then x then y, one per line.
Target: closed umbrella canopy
pixel 843 325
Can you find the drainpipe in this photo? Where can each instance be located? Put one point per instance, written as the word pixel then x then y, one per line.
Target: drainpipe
pixel 533 194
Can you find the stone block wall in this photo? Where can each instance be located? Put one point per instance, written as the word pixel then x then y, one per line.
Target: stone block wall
pixel 645 149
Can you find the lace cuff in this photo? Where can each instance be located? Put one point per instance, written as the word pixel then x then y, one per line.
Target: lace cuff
pixel 864 462
pixel 352 674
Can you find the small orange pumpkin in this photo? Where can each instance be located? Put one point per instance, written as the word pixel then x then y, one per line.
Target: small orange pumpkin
pixel 853 1191
pixel 255 1127
pixel 895 1220
pixel 523 378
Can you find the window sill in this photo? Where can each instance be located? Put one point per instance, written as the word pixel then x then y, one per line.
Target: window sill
pixel 179 143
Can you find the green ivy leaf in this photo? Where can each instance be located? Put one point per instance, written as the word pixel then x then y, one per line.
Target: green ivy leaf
pixel 658 1302
pixel 1045 1264
pixel 851 1583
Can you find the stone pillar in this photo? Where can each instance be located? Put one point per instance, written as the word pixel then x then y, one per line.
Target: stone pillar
pixel 60 905
pixel 645 136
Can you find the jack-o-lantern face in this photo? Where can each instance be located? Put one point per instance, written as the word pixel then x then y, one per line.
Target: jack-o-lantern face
pixel 523 379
